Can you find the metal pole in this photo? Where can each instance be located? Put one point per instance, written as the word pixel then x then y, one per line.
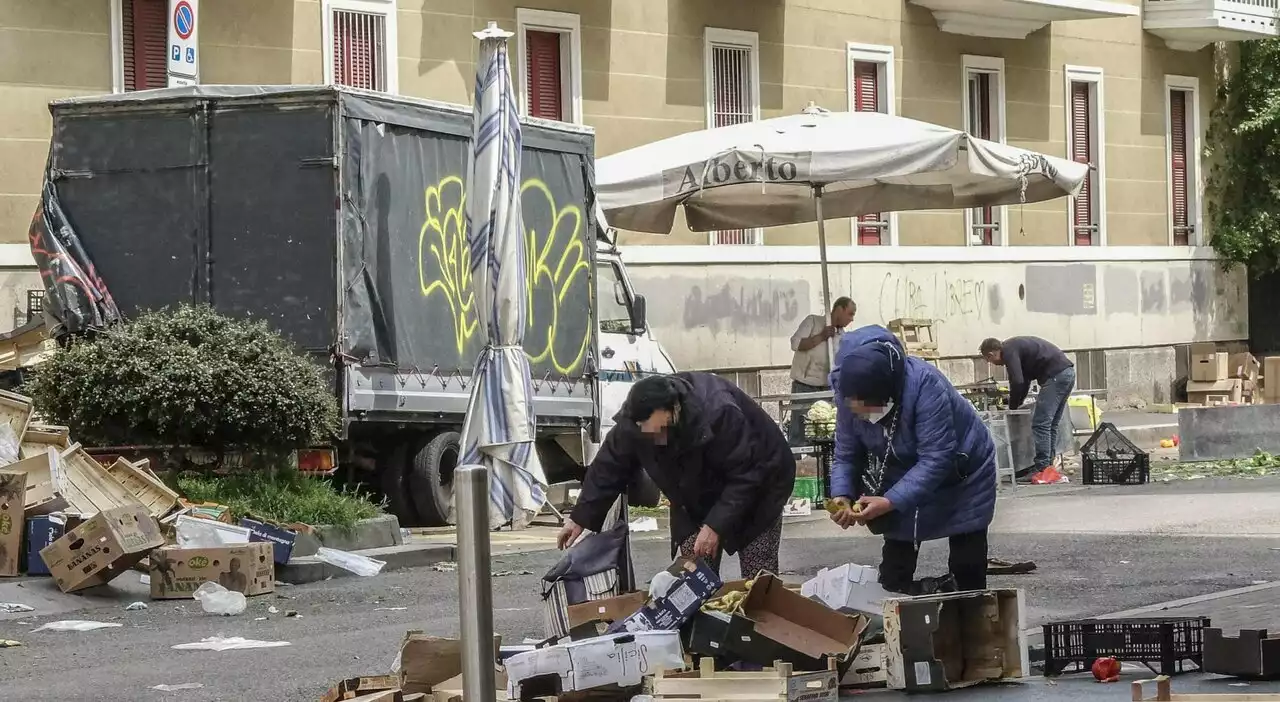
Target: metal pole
pixel 822 256
pixel 475 583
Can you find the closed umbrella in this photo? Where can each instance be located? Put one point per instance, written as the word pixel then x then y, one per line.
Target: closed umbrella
pixel 498 433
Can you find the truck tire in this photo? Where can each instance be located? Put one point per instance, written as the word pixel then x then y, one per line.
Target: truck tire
pixel 395 484
pixel 430 477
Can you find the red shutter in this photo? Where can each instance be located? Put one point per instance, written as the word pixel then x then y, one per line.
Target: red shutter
pixel 1178 177
pixel 732 104
pixel 1083 214
pixel 866 98
pixel 359 50
pixel 145 42
pixel 544 75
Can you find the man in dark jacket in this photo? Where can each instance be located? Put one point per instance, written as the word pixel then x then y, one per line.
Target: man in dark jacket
pixel 1028 358
pixel 718 457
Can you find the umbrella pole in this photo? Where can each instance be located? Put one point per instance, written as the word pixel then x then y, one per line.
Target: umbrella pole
pixel 471 483
pixel 822 257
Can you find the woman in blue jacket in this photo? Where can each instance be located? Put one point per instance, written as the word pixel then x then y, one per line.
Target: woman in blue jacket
pixel 913 461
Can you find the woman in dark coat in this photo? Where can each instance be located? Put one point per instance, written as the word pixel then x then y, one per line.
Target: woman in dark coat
pixel 718 457
pixel 914 456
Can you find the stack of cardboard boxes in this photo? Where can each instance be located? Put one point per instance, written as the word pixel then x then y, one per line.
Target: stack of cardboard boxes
pixel 1221 378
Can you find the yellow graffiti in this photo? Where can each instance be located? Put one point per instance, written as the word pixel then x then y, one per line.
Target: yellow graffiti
pixel 444 237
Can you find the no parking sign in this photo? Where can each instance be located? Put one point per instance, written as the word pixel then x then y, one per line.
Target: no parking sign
pixel 184 52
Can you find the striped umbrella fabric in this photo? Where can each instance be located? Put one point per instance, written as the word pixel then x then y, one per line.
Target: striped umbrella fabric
pixel 499 429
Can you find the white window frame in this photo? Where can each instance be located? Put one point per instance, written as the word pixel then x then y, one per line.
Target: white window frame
pixel 569 27
pixel 993 66
pixel 715 36
pixel 389 10
pixel 1094 76
pixel 1195 189
pixel 885 58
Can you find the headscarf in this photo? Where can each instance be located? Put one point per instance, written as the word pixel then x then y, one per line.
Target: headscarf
pixel 874 373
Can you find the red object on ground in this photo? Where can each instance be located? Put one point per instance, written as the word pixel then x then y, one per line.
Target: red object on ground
pixel 1176 441
pixel 1048 476
pixel 1106 670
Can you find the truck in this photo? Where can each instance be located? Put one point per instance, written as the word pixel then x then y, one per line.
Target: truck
pixel 339 217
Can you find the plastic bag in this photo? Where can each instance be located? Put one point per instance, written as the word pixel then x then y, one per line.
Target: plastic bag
pixel 354 562
pixel 8 445
pixel 14 608
pixel 194 532
pixel 216 599
pixel 75 625
pixel 220 643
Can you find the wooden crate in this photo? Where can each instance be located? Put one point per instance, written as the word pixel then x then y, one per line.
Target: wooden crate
pixel 87 486
pixel 157 497
pixel 916 336
pixel 15 412
pixel 777 684
pixel 1164 693
pixel 39 437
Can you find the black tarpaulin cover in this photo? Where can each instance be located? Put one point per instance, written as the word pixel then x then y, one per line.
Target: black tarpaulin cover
pixel 76 298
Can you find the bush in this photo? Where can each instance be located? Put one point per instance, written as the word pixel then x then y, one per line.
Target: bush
pixel 187 376
pixel 283 495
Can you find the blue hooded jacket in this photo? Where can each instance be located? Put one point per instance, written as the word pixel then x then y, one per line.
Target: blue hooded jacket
pixel 941 472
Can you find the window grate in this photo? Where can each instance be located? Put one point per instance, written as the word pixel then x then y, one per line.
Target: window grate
pixel 360 49
pixel 980 95
pixel 732 103
pixel 35 304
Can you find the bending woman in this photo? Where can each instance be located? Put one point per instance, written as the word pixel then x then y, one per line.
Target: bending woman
pixel 913 461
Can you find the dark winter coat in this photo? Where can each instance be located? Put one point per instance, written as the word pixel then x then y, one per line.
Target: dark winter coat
pixel 940 473
pixel 727 465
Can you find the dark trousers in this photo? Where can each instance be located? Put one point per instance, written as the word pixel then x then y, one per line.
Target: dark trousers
pixel 1046 418
pixel 967 562
pixel 759 555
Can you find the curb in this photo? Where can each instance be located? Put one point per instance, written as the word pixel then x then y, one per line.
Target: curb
pixel 309 569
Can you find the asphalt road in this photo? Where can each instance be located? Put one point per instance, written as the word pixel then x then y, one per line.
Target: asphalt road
pixel 352 626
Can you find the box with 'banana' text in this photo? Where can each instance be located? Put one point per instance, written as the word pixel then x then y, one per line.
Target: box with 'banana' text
pixel 176 573
pixel 105 545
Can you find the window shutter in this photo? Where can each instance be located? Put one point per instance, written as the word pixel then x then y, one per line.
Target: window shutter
pixel 866 98
pixel 732 104
pixel 980 126
pixel 1082 151
pixel 543 74
pixel 359 50
pixel 145 41
pixel 1178 176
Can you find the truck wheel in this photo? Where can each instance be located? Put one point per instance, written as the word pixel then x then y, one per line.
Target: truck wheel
pixel 395 484
pixel 430 477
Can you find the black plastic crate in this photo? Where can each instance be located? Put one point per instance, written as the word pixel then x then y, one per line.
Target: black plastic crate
pixel 1162 644
pixel 1110 458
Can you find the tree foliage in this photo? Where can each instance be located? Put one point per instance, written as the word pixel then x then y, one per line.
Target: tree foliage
pixel 187 376
pixel 1243 186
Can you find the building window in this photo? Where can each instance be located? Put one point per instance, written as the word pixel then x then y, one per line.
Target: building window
pixel 549 47
pixel 362 37
pixel 984 118
pixel 1182 126
pixel 141 37
pixel 731 60
pixel 35 304
pixel 1085 139
pixel 871 90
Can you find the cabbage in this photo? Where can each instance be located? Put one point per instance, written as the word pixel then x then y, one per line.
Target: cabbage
pixel 820 420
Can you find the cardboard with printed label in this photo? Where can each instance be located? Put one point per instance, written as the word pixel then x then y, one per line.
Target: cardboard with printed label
pixel 176 572
pixel 104 546
pixel 13 490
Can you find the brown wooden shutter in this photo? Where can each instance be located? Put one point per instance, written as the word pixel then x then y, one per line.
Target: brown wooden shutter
pixel 1178 175
pixel 866 98
pixel 145 43
pixel 359 50
pixel 544 72
pixel 1082 151
pixel 731 104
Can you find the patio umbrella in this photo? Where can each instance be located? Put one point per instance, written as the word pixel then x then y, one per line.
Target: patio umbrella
pixel 817 164
pixel 498 433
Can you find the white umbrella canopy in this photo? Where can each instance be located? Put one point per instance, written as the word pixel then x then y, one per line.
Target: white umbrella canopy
pixel 763 174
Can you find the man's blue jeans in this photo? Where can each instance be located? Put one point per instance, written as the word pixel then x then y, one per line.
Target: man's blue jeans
pixel 1047 416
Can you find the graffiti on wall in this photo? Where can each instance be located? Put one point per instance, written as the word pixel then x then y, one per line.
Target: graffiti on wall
pixel 743 306
pixel 939 296
pixel 556 265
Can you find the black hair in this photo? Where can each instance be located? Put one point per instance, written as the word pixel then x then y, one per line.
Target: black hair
pixel 648 395
pixel 989 346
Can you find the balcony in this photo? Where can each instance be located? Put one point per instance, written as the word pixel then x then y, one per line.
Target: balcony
pixel 1191 25
pixel 1015 19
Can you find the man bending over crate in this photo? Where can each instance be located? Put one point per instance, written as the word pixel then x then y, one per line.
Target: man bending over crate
pixel 1028 358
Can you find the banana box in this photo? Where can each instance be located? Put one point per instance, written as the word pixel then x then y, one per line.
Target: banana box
pixel 694 583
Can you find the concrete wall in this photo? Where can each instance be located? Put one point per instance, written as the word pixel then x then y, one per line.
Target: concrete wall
pixel 742 316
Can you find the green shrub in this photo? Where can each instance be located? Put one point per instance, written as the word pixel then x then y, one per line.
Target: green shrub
pixel 187 376
pixel 281 496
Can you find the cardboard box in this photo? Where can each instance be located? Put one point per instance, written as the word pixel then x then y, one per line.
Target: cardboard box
pixel 281 539
pixel 945 642
pixel 101 548
pixel 1252 654
pixel 177 572
pixel 1208 367
pixel 848 588
pixel 1271 378
pixel 867 670
pixel 13 493
pixel 42 530
pixel 593 618
pixel 1215 392
pixel 1244 365
pixel 428 661
pixel 696 583
pixel 615 660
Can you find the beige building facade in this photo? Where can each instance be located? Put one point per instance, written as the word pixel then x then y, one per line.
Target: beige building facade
pixel 1126 85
